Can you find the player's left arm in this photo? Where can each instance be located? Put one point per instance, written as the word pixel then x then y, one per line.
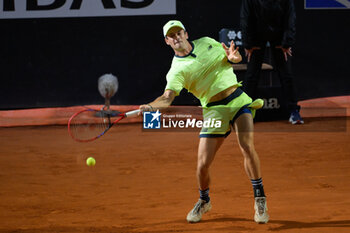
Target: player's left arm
pixel 161 102
pixel 232 53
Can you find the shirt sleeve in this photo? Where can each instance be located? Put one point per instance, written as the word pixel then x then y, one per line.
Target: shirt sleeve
pixel 175 82
pixel 218 44
pixel 212 41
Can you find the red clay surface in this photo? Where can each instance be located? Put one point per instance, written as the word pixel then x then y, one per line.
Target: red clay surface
pixel 145 181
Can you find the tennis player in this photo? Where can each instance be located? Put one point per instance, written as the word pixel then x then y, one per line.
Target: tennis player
pixel 204 68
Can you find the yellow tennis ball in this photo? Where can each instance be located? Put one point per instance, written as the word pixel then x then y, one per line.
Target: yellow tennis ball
pixel 90 162
pixel 258 103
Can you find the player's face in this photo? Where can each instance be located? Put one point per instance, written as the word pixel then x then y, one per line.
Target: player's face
pixel 177 38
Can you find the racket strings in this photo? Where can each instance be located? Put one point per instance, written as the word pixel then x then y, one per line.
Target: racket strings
pixel 88 125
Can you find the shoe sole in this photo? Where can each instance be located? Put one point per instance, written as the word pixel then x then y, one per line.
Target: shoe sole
pixel 262 222
pixel 296 122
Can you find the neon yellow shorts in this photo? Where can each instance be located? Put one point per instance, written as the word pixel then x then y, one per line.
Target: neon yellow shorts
pixel 220 115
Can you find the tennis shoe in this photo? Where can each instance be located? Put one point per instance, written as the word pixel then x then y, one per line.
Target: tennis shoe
pixel 201 207
pixel 295 118
pixel 261 215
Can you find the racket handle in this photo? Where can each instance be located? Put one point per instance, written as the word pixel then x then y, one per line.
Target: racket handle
pixel 133 113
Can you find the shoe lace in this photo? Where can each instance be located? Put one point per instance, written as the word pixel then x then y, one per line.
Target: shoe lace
pixel 197 207
pixel 261 206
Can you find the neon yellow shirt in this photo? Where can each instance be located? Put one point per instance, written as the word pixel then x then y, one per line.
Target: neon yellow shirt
pixel 204 72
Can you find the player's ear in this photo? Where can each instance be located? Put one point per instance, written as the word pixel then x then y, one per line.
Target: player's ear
pixel 186 34
pixel 166 40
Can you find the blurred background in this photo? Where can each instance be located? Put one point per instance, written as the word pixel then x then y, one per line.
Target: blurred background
pixel 48 61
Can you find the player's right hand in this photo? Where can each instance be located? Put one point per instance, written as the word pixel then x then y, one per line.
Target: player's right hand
pixel 145 108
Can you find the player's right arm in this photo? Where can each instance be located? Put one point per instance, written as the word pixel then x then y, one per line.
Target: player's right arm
pixel 161 102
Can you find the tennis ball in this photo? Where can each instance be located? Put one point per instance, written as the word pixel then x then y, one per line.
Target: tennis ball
pixel 90 162
pixel 258 103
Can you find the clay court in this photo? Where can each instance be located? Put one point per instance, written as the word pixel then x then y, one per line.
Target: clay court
pixel 53 55
pixel 145 181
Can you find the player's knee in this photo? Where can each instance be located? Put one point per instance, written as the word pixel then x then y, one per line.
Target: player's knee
pixel 203 165
pixel 202 172
pixel 247 148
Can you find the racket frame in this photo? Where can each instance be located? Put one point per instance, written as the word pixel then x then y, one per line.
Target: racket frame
pixel 120 116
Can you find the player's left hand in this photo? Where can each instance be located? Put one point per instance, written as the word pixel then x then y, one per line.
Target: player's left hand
pixel 232 53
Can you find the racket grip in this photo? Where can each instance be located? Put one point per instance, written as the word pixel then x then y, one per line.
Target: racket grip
pixel 133 113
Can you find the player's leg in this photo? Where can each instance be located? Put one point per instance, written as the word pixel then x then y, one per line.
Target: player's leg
pixel 245 133
pixel 206 152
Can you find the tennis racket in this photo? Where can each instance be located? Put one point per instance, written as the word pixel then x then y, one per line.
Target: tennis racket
pixel 90 124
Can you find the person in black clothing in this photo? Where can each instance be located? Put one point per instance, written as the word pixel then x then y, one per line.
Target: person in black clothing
pixel 270 21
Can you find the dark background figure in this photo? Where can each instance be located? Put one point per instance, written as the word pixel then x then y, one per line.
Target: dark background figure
pixel 273 22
